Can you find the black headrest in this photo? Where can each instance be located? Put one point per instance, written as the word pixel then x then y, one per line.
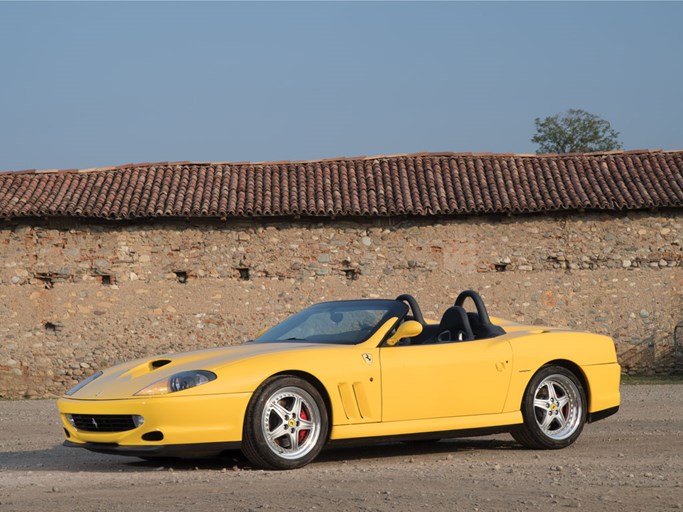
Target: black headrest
pixel 455 320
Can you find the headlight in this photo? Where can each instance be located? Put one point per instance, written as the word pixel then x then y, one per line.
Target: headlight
pixel 178 382
pixel 82 384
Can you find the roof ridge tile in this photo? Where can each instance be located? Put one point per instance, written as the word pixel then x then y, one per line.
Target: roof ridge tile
pixel 420 184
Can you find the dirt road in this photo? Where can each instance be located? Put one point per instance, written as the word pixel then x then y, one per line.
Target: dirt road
pixel 630 462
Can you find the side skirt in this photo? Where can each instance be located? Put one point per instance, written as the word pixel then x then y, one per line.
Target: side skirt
pixel 445 434
pixel 426 427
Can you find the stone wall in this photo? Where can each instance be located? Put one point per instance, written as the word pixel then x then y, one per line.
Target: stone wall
pixel 78 296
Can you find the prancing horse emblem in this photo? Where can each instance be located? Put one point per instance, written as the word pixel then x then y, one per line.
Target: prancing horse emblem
pixel 367 358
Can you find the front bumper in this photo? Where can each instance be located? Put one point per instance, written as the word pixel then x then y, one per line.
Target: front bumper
pixel 190 426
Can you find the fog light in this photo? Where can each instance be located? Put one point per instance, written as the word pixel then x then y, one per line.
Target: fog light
pixel 70 419
pixel 153 436
pixel 138 420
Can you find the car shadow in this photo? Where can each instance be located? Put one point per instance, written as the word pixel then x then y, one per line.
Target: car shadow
pixel 404 449
pixel 61 458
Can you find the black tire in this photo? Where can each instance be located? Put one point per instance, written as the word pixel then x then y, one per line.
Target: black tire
pixel 554 409
pixel 286 424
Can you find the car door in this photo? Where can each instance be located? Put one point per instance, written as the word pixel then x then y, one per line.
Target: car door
pixel 445 379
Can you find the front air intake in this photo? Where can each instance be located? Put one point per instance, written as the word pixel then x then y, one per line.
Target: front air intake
pixel 105 422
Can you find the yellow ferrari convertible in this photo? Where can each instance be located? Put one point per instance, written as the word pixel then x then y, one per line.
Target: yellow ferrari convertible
pixel 358 369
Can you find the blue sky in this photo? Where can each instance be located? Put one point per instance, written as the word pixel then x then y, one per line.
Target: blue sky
pixel 98 84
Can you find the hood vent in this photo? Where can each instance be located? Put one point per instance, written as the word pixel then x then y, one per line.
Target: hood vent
pixel 159 363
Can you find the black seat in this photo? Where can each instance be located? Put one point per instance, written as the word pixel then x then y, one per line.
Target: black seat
pixel 482 329
pixel 428 335
pixel 454 326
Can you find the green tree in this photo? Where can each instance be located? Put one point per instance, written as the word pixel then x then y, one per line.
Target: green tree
pixel 574 131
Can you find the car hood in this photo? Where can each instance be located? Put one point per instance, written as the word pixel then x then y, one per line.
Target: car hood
pixel 124 380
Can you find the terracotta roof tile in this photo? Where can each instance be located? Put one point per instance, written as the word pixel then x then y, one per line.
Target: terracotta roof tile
pixel 419 184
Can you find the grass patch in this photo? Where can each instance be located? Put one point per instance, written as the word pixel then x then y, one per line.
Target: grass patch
pixel 651 379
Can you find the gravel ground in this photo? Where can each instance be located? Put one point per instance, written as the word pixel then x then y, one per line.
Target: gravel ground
pixel 631 461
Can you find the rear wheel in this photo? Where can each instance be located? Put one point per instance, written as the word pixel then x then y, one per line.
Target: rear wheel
pixel 553 408
pixel 285 425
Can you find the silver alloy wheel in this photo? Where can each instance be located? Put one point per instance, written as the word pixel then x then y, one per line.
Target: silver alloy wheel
pixel 291 423
pixel 558 407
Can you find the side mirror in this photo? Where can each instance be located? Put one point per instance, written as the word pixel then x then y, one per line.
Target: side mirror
pixel 406 330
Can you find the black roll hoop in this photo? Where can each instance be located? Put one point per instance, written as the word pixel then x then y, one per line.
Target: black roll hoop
pixel 478 302
pixel 417 312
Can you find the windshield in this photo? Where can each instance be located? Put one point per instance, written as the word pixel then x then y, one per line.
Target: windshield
pixel 346 322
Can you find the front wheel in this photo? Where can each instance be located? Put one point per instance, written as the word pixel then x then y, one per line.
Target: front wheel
pixel 285 425
pixel 553 408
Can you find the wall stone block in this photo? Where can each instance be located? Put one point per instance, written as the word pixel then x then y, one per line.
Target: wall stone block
pixel 89 295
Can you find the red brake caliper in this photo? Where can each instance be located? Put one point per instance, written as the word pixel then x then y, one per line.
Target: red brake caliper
pixel 303 433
